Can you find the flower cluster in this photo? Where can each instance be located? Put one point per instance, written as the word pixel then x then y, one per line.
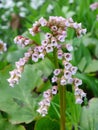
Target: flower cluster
pixel 79 94
pixel 3 47
pixel 15 75
pixel 66 75
pixel 45 103
pixel 58 26
pixel 57 34
pixel 22 41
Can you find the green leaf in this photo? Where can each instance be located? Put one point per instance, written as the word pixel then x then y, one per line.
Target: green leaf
pixel 89 117
pixel 82 64
pixel 92 67
pixel 20 102
pixel 15 55
pixel 46 123
pixel 5 125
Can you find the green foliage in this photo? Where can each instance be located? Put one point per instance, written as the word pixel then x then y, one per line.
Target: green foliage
pixel 46 123
pixel 92 67
pixel 89 117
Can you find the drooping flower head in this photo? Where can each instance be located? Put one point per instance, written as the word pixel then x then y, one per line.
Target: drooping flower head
pixel 53 40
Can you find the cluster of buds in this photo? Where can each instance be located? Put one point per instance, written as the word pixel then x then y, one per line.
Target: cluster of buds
pixel 45 103
pixel 15 75
pixel 22 41
pixel 3 47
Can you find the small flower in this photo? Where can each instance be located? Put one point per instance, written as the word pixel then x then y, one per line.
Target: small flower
pixel 67 23
pixel 69 47
pixel 84 31
pixel 14 77
pixel 67 65
pixel 64 33
pixel 77 82
pixel 27 54
pixel 54 90
pixel 45 42
pixel 48 35
pixel 63 81
pixel 47 93
pixel 54 42
pixel 67 56
pixel 12 82
pixel 57 72
pixel 42 111
pixel 49 48
pixel 61 38
pixel 70 80
pixel 35 57
pixel 31 32
pixel 73 70
pixel 47 101
pixel 79 100
pixel 21 62
pixel 67 74
pixel 42 21
pixel 27 42
pixel 40 48
pixel 41 103
pixel 41 55
pixel 75 25
pixel 77 91
pixel 60 54
pixel 83 94
pixel 15 73
pixel 54 28
pixel 36 49
pixel 79 25
pixel 54 79
pixel 70 20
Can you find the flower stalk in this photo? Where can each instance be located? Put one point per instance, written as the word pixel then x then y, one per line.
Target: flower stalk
pixel 62 92
pixel 61 95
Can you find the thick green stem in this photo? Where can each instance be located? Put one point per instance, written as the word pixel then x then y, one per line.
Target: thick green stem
pixel 55 58
pixel 62 90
